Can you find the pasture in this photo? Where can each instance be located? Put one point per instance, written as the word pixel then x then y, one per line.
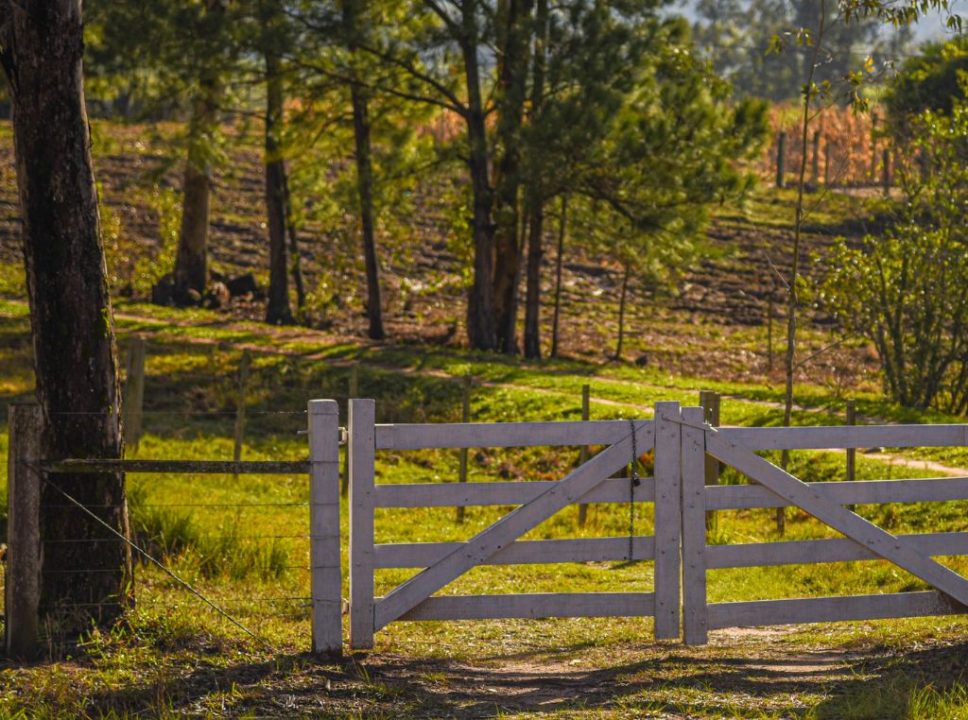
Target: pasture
pixel 243 543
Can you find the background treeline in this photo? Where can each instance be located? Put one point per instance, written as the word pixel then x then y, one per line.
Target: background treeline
pixel 506 127
pixel 521 119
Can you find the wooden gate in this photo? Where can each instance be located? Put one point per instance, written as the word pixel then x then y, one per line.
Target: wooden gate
pixel 498 544
pixel 774 487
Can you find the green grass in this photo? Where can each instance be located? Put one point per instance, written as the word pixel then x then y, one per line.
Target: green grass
pixel 243 543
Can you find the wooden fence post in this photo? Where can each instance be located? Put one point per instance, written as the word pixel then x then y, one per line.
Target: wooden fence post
pixel 240 407
pixel 24 553
pixel 694 618
pixel 815 160
pixel 362 449
pixel 781 160
pixel 851 452
pixel 886 171
pixel 324 531
pixel 873 173
pixel 709 401
pixel 466 418
pixel 583 455
pixel 668 520
pixel 826 163
pixel 134 392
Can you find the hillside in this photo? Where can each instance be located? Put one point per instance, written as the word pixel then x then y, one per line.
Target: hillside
pixel 723 297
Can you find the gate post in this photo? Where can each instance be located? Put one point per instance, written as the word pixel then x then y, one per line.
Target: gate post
pixel 22 587
pixel 324 555
pixel 667 520
pixel 361 451
pixel 694 526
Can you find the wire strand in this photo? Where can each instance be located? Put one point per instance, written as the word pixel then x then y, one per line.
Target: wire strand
pixel 184 583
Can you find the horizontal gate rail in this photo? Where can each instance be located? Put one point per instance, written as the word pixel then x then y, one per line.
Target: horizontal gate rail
pixel 522 552
pixel 533 605
pixel 741 497
pixel 805 552
pixel 846 436
pixel 612 490
pixel 830 609
pixel 474 435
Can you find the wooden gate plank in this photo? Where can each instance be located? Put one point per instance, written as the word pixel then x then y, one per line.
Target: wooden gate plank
pixel 516 523
pixel 360 455
pixel 898 550
pixel 533 605
pixel 694 527
pixel 668 513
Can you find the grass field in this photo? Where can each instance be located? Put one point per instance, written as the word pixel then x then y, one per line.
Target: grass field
pixel 242 542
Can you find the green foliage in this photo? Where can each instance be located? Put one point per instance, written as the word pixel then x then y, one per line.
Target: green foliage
pixel 671 150
pixel 908 290
pixel 764 47
pixel 928 81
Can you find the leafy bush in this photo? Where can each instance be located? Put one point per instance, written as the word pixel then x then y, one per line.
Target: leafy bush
pixel 907 292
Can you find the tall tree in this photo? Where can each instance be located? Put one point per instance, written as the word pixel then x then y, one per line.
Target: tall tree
pixel 514 32
pixel 353 28
pixel 70 310
pixel 272 40
pixel 534 199
pixel 191 259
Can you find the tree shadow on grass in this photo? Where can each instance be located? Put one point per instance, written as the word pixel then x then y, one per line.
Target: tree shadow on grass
pixel 659 681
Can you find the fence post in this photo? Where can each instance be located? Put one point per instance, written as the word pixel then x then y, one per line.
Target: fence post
pixel 815 160
pixel 361 449
pixel 826 163
pixel 134 392
pixel 781 160
pixel 668 520
pixel 851 452
pixel 324 550
pixel 24 558
pixel 873 173
pixel 583 455
pixel 886 171
pixel 709 401
pixel 240 408
pixel 694 619
pixel 466 418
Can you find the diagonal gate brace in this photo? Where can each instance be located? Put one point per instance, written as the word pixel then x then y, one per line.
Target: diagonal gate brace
pixel 512 526
pixel 890 547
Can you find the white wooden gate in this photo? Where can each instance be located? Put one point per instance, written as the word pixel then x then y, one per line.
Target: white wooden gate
pixel 773 487
pixel 681 440
pixel 442 563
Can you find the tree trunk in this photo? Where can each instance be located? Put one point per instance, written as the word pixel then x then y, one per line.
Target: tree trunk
pixel 532 310
pixel 562 229
pixel 514 19
pixel 621 311
pixel 295 259
pixel 364 181
pixel 278 310
pixel 364 173
pixel 793 301
pixel 534 194
pixel 87 573
pixel 481 327
pixel 191 260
